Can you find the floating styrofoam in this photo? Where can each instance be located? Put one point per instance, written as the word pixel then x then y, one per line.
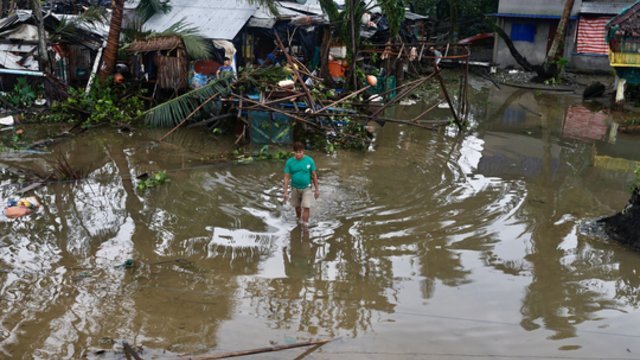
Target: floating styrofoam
pixel 7 120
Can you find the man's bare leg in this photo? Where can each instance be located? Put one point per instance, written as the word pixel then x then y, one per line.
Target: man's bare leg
pixel 305 216
pixel 298 213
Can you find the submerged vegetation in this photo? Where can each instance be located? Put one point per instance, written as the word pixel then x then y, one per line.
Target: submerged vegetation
pixel 149 181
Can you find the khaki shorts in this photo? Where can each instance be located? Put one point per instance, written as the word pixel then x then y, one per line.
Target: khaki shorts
pixel 301 197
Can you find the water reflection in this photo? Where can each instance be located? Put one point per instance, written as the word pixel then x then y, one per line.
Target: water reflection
pixel 559 297
pixel 480 228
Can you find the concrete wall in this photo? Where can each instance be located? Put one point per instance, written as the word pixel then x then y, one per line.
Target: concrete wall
pixel 531 11
pixel 590 63
pixel 535 52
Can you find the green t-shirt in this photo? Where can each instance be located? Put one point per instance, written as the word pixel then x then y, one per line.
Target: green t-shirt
pixel 300 171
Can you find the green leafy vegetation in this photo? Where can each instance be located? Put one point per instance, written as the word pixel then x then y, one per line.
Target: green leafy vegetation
pixel 265 153
pixel 636 181
pixel 155 179
pixel 104 103
pixel 23 94
pixel 342 133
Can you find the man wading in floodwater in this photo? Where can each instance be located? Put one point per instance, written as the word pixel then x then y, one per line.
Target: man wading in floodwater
pixel 300 170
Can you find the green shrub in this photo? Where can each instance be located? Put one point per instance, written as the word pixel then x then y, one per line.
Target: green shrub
pixel 105 103
pixel 23 94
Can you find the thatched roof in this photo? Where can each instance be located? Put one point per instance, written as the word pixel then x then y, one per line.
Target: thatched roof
pixel 157 43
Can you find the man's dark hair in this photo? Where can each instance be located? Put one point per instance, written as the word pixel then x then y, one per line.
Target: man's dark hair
pixel 297 146
pixel 225 59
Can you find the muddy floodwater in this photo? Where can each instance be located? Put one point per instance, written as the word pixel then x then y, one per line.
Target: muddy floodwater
pixel 432 245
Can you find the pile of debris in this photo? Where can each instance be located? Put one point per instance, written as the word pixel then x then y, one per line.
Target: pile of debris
pixel 623 226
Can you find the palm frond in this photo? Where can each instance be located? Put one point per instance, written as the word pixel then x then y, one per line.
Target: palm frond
pixel 197 46
pixel 173 111
pixel 393 10
pixel 147 8
pixel 331 9
pixel 94 15
pixel 270 4
pixel 70 28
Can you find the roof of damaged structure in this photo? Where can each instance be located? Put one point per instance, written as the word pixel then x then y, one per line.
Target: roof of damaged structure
pixel 157 43
pixel 19 36
pixel 223 19
pixel 214 19
pixel 309 13
pixel 627 20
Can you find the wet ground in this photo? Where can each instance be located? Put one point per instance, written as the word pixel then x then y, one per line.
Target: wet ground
pixel 431 246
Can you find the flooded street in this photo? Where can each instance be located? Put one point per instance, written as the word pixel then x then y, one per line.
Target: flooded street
pixel 433 245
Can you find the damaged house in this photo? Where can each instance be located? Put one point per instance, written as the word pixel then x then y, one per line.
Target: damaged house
pixel 72 53
pixel 240 31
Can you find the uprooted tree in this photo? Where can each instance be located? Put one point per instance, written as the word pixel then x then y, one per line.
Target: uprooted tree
pixel 550 67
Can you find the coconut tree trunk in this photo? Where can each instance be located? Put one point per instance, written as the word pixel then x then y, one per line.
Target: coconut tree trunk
pixel 521 60
pixel 111 51
pixel 354 46
pixel 558 39
pixel 453 15
pixel 43 54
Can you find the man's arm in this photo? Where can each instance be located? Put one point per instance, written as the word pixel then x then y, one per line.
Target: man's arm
pixel 287 177
pixel 314 178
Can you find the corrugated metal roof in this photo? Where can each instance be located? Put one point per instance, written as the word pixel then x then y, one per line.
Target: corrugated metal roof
pixel 536 7
pixel 8 60
pixel 531 16
pixel 604 8
pixel 214 19
pixel 311 7
pixel 100 29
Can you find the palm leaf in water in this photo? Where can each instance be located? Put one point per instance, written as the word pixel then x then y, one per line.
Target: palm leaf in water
pixel 173 111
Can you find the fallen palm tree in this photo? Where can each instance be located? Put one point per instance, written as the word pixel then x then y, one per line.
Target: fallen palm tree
pixel 340 117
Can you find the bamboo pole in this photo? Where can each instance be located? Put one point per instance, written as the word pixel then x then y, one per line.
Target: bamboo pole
pixel 344 99
pixel 296 72
pixel 398 87
pixel 291 115
pixel 426 111
pixel 401 95
pixel 446 95
pixel 198 108
pixel 210 120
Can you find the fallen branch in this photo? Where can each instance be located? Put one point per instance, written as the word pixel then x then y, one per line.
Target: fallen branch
pixel 275 110
pixel 257 351
pixel 210 120
pixel 343 99
pixel 190 115
pixel 128 351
